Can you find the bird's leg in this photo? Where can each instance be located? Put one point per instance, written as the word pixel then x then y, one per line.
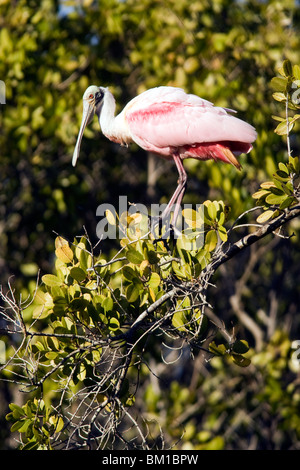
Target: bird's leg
pixel 181 185
pixel 177 195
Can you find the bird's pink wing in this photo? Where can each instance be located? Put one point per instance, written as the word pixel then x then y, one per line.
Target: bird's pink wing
pixel 167 117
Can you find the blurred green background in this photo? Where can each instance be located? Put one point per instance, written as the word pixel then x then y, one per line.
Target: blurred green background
pixel 226 52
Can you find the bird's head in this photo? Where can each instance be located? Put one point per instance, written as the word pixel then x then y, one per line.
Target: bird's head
pixel 92 103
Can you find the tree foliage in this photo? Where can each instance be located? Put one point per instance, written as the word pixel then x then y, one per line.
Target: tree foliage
pixel 147 342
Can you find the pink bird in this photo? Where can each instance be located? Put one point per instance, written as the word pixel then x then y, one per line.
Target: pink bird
pixel 172 124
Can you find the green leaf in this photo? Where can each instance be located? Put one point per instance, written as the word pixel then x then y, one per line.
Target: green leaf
pixel 77 304
pixel 279 84
pixel 39 346
pixel 193 218
pixel 278 96
pixel 265 216
pixel 287 202
pixel 129 273
pixel 63 251
pixel 152 257
pixel 31 445
pixel 240 346
pixel 111 219
pixel 295 164
pixel 181 315
pixel 211 240
pixel 281 129
pixel 287 68
pixel 259 194
pixel 113 323
pixel 219 350
pixel 287 188
pixel 51 280
pixel 283 168
pixel 42 311
pixel 51 355
pixel 96 353
pixel 78 274
pixel 222 233
pixel 81 375
pixel 212 211
pixel 108 304
pixel 179 320
pixel 295 118
pixel 278 182
pixel 203 257
pixel 16 426
pixel 132 293
pixel 17 410
pixel 154 280
pixel 188 241
pixel 84 258
pixel 179 270
pixel 296 72
pixel 58 423
pixel 222 218
pixel 277 118
pixel 281 175
pixel 240 360
pixel 134 256
pixel 275 198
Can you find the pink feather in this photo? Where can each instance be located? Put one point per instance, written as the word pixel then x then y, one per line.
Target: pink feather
pixel 171 123
pixel 165 119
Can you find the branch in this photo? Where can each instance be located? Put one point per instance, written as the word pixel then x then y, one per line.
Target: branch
pixel 152 308
pixel 248 240
pixel 222 257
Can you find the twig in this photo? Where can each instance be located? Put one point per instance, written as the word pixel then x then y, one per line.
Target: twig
pixel 287 125
pixel 248 240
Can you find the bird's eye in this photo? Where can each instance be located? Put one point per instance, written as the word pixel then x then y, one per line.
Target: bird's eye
pixel 91 96
pixel 99 96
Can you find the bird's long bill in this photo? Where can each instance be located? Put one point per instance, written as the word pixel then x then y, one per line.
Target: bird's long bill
pixel 87 115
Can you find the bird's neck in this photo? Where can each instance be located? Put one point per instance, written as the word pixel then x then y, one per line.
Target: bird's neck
pixel 113 127
pixel 107 114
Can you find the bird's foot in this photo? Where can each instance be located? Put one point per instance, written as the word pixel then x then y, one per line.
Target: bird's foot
pixel 170 235
pixel 156 225
pixel 163 230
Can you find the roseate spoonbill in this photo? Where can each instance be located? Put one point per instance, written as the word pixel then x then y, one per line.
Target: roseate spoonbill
pixel 175 125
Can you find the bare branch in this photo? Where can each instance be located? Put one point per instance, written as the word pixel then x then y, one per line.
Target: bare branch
pixel 248 240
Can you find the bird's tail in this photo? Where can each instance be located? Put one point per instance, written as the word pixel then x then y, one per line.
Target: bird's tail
pixel 225 151
pixel 228 157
